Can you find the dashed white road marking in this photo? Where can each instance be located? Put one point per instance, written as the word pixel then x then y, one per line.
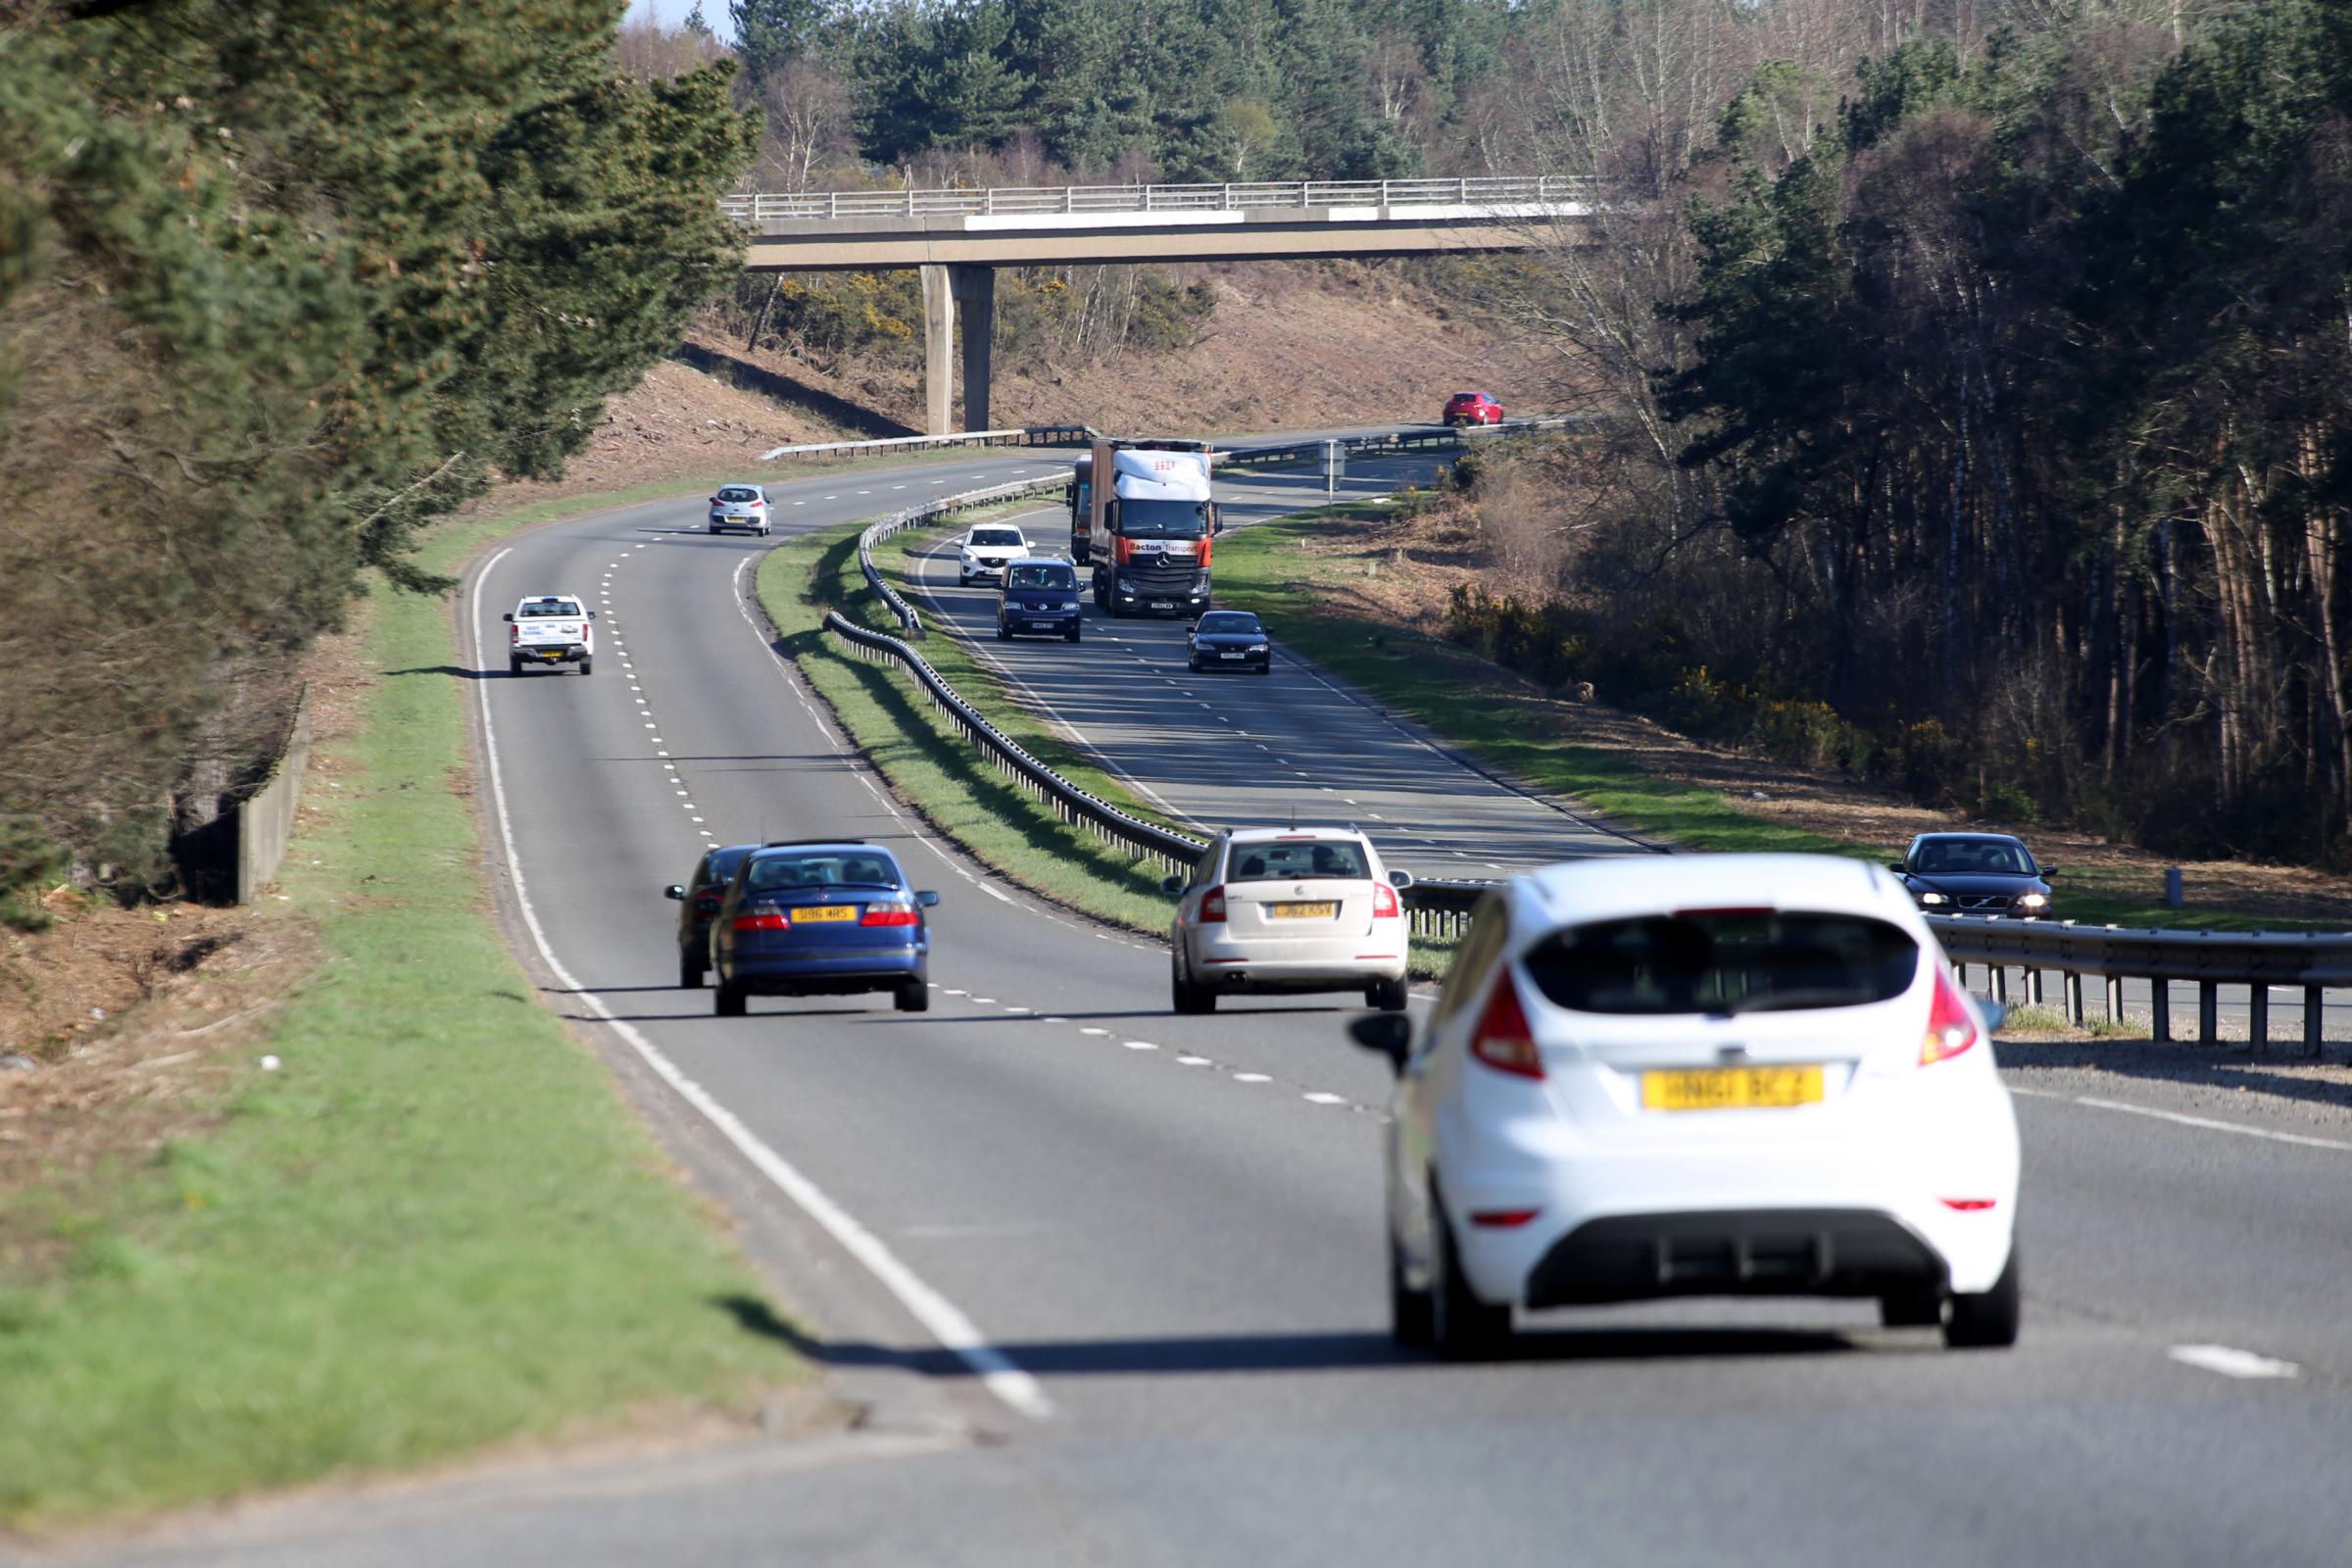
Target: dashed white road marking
pixel 1096 1033
pixel 2208 1123
pixel 1192 1062
pixel 1319 1098
pixel 2231 1362
pixel 1251 1078
pixel 1139 1044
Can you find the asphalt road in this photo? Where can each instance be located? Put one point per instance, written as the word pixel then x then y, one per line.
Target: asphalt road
pixel 1152 1244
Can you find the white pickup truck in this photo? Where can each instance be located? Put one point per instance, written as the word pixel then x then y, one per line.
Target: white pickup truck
pixel 551 629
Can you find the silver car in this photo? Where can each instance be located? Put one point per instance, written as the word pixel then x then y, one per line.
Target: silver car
pixel 1275 909
pixel 739 506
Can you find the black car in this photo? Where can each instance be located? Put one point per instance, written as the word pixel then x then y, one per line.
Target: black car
pixel 1041 594
pixel 1228 639
pixel 1975 873
pixel 697 902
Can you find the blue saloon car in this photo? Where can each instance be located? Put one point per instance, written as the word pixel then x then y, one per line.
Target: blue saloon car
pixel 826 917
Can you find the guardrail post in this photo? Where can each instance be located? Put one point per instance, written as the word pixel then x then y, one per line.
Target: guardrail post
pixel 2034 985
pixel 2000 984
pixel 2074 998
pixel 2257 1015
pixel 2115 999
pixel 2160 1011
pixel 2315 1018
pixel 2208 1012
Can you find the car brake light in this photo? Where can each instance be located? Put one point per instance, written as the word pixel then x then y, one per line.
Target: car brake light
pixel 1503 1039
pixel 1212 906
pixel 1502 1218
pixel 1950 1028
pixel 1969 1205
pixel 1383 901
pixel 890 914
pixel 763 920
pixel 514 635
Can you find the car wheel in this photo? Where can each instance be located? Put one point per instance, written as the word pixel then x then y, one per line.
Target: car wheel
pixel 1389 996
pixel 690 972
pixel 1003 635
pixel 726 1001
pixel 1409 1310
pixel 1921 1309
pixel 1186 998
pixel 587 667
pixel 1267 669
pixel 715 527
pixel 914 996
pixel 1071 635
pixel 514 666
pixel 1462 1327
pixel 1988 1321
pixel 1192 664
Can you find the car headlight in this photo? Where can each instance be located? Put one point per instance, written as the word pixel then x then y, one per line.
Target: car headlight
pixel 1257 648
pixel 2033 900
pixel 1934 897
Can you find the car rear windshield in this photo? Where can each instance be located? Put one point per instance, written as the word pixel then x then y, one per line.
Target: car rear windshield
pixel 738 492
pixel 1996 855
pixel 829 869
pixel 996 536
pixel 1296 862
pixel 1228 623
pixel 1723 962
pixel 1042 577
pixel 552 606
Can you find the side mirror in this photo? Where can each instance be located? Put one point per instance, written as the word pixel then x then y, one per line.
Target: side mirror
pixel 714 501
pixel 1996 1013
pixel 1401 880
pixel 2049 870
pixel 592 615
pixel 674 891
pixel 508 615
pixel 1898 867
pixel 1173 886
pixel 929 900
pixel 1388 1033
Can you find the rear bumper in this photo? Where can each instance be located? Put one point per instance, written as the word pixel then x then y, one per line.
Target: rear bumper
pixel 1245 662
pixel 1234 967
pixel 747 525
pixel 830 974
pixel 547 654
pixel 1759 1251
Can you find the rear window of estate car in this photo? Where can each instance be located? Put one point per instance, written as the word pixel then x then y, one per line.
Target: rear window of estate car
pixel 1041 577
pixel 1724 962
pixel 1295 863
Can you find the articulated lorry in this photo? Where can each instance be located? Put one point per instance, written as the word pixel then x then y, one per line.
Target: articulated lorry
pixel 1141 514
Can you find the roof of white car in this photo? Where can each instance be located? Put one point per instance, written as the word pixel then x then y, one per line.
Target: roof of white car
pixel 1621 887
pixel 1304 830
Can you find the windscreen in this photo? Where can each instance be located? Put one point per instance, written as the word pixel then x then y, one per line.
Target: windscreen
pixel 996 536
pixel 1042 577
pixel 738 492
pixel 1997 855
pixel 1296 862
pixel 1163 520
pixel 552 606
pixel 1228 623
pixel 825 868
pixel 1723 962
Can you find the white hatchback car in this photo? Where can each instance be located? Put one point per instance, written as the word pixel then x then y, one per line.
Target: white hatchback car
pixel 987 551
pixel 1738 1074
pixel 1288 910
pixel 739 506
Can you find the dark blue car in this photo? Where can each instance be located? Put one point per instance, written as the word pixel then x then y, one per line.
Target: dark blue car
pixel 1041 594
pixel 831 917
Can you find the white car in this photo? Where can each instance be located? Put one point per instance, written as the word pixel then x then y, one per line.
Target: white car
pixel 739 506
pixel 1736 1074
pixel 987 551
pixel 551 629
pixel 1288 910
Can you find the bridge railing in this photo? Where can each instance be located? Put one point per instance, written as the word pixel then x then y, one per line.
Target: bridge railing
pixel 1493 193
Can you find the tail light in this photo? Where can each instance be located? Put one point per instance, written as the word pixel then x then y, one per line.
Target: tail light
pixel 1951 1030
pixel 1383 901
pixel 1212 906
pixel 763 920
pixel 890 914
pixel 514 635
pixel 1502 1040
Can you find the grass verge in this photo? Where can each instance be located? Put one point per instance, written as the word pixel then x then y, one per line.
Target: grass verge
pixel 1425 679
pixel 438 1227
pixel 939 773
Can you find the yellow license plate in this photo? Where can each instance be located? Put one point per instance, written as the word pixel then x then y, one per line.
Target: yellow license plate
pixel 1302 911
pixel 819 913
pixel 1730 1087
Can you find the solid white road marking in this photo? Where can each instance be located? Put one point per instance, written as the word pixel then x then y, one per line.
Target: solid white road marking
pixel 2206 1122
pixel 947 1324
pixel 998 894
pixel 2232 1363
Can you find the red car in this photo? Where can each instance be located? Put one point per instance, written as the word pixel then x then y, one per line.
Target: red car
pixel 1472 408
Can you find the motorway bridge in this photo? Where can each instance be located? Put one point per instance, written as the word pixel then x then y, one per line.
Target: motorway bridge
pixel 957 238
pixel 1107 1282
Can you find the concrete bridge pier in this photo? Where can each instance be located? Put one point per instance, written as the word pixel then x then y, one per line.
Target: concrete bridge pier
pixel 945 288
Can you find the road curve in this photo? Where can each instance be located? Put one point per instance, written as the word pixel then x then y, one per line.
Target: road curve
pixel 1170 1229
